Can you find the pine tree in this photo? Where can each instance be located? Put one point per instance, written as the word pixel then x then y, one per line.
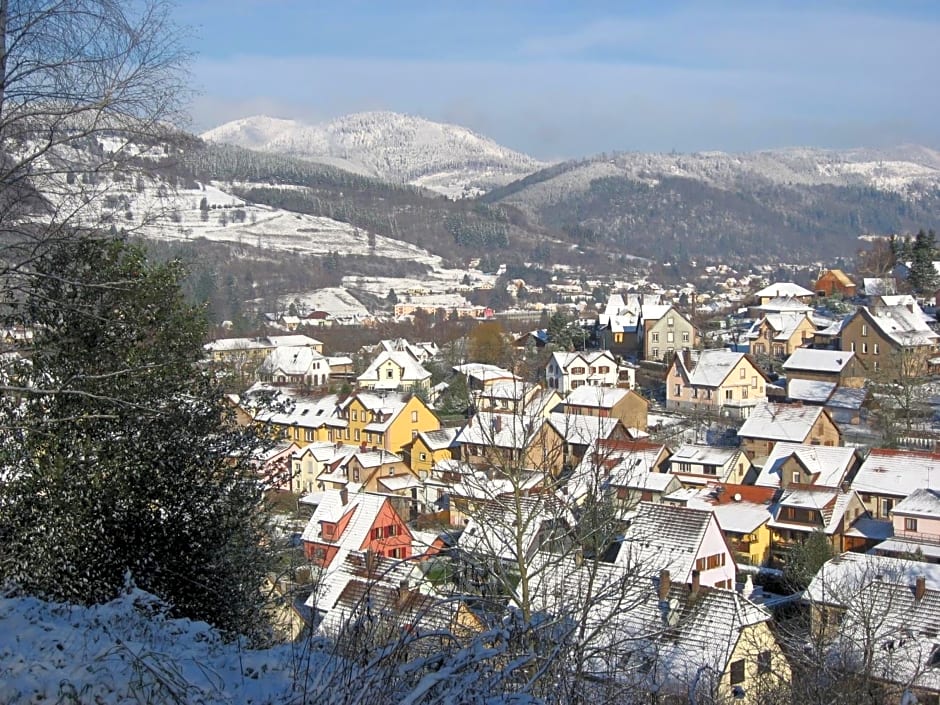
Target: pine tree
pixel 923 276
pixel 118 457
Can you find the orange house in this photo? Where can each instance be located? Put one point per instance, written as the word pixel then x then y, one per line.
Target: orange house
pixel 835 281
pixel 364 522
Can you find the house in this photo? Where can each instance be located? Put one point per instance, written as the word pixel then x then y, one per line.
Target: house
pixel 803 510
pixel 894 339
pixel 429 448
pixel 578 433
pixel 666 331
pixel 567 371
pixel 837 367
pixel 770 423
pixel 784 290
pixel 303 421
pixel 715 381
pixel 515 397
pixel 686 542
pixel 888 476
pixel 395 370
pixel 880 614
pixel 800 464
pixel 314 460
pixel 700 464
pixel 252 351
pixel 388 420
pixel 297 366
pixel 629 471
pixel 779 334
pixel 360 522
pixel 656 634
pixel 835 282
pixel 743 513
pixel 619 324
pixel 377 470
pixel 480 375
pixel 509 442
pixel 916 527
pixel 624 404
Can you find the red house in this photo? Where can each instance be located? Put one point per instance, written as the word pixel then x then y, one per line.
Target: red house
pixel 363 522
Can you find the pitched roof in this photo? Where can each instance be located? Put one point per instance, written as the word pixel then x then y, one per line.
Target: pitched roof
pixel 831 505
pixel 710 367
pixel 439 440
pixel 812 360
pixel 840 277
pixel 361 508
pixel 412 371
pixel 783 289
pixel 782 323
pixel 900 324
pixel 580 429
pixel 291 360
pixel 897 472
pixel 740 509
pixel 922 502
pixel 596 397
pixel 811 391
pixel 780 422
pixel 830 465
pixel 501 430
pixel 664 537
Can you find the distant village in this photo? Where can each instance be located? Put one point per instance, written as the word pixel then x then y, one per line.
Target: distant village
pixel 733 453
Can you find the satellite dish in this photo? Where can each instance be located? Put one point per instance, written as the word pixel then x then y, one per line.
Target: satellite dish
pixel 737 496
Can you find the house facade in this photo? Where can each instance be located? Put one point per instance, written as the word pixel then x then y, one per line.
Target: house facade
pixel 565 372
pixel 715 381
pixel 835 282
pixel 779 334
pixel 626 405
pixel 770 423
pixel 894 340
pixel 666 331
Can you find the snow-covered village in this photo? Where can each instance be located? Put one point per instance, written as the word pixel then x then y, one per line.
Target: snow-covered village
pixel 315 391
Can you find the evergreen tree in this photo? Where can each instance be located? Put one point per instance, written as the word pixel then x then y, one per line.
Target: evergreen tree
pixel 118 453
pixel 922 275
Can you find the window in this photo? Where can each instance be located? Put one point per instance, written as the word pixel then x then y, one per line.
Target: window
pixel 886 506
pixel 729 394
pixel 685 467
pixel 355 475
pixel 737 671
pixel 678 390
pixel 357 434
pixel 744 392
pixel 655 352
pixel 754 382
pixel 355 415
pixel 695 392
pixel 742 373
pixel 414 417
pixel 422 456
pixel 685 336
pixel 910 524
pixel 864 329
pixel 852 346
pixel 308 434
pixel 875 365
pixel 389 373
pixel 874 349
pixel 699 564
pixel 577 370
pixel 655 337
pixel 764 662
pixel 670 321
pixel 864 348
pixel 796 477
pixel 670 337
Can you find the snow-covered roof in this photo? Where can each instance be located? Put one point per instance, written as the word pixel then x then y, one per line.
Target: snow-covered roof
pixel 829 465
pixel 664 537
pixel 704 455
pixel 439 440
pixel 783 289
pixel 831 505
pixel 897 473
pixel 922 502
pixel 783 324
pixel 501 430
pixel 780 422
pixel 811 391
pixel 841 578
pixel 654 312
pixel 579 429
pixel 711 367
pixel 784 304
pixel 411 369
pixel 497 529
pixel 483 373
pixel 904 326
pixel 363 508
pixel 291 361
pixel 812 360
pixel 739 509
pixel 596 397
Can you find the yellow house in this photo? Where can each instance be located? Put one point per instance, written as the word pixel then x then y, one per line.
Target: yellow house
pixel 386 420
pixel 779 334
pixel 429 448
pixel 715 381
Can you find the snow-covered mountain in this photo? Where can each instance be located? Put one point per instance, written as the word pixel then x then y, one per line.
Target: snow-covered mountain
pixel 445 158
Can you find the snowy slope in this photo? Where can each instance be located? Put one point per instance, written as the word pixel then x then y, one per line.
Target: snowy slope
pixel 400 148
pixel 129 651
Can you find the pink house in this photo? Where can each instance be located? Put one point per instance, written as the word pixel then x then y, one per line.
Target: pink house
pixel 686 542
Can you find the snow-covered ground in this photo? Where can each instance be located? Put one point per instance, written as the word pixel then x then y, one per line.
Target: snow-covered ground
pixel 129 651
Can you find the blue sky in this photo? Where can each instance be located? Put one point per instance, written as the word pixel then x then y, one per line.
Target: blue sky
pixel 568 79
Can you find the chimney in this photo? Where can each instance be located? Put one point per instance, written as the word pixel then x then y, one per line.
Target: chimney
pixel 344 496
pixel 665 583
pixel 401 593
pixel 920 588
pixel 696 582
pixel 362 447
pixel 370 562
